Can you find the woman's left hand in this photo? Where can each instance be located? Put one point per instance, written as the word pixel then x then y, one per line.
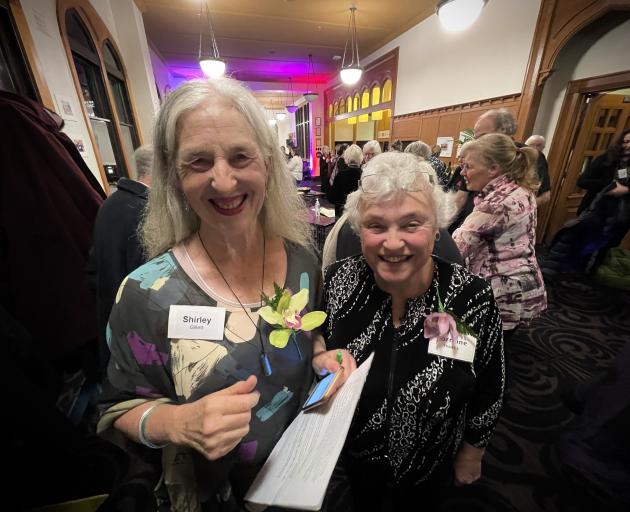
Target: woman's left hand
pixel 468 464
pixel 618 191
pixel 327 361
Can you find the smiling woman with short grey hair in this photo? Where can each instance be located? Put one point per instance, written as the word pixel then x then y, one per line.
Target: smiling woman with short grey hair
pixel 424 415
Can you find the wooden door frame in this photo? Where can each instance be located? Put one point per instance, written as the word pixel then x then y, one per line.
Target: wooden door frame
pixel 566 129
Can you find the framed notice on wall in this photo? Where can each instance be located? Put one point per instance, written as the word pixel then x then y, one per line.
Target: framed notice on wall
pixel 318 142
pixel 318 131
pixel 318 121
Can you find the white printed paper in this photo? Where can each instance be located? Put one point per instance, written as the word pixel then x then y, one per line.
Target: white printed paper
pixel 297 472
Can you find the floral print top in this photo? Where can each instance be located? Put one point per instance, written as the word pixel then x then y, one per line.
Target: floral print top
pixel 497 241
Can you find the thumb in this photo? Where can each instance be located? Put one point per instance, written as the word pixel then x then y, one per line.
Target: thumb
pixel 242 387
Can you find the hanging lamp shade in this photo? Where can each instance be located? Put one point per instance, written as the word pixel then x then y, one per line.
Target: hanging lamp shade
pixel 310 95
pixel 280 116
pixel 352 71
pixel 214 66
pixel 291 108
pixel 458 15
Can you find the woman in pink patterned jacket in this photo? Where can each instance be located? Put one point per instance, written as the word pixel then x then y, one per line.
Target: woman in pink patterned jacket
pixel 497 239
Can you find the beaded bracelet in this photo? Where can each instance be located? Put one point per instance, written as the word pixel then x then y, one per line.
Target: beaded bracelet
pixel 142 436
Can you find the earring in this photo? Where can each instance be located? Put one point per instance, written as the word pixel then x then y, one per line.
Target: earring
pixel 185 201
pixel 437 236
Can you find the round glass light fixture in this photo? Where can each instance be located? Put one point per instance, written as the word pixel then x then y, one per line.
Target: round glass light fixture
pixel 291 109
pixel 212 68
pixel 311 96
pixel 458 15
pixel 351 76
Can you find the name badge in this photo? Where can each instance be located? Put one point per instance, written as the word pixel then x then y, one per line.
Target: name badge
pixel 463 349
pixel 196 322
pixel 622 173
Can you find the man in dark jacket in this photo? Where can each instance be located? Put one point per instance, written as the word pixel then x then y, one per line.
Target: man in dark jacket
pixel 117 250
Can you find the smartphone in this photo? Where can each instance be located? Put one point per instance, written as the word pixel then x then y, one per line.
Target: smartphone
pixel 322 391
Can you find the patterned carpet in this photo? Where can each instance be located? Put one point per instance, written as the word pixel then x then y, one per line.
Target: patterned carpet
pixel 579 336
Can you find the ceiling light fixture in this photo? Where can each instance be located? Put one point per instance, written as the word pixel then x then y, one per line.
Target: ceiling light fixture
pixel 212 67
pixel 458 15
pixel 309 95
pixel 351 73
pixel 291 108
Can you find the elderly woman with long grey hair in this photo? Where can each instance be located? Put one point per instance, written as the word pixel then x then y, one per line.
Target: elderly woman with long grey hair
pixel 193 371
pixel 434 392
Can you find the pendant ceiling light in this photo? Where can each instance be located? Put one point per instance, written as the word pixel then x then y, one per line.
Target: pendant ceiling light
pixel 309 95
pixel 351 73
pixel 458 15
pixel 281 114
pixel 212 67
pixel 291 107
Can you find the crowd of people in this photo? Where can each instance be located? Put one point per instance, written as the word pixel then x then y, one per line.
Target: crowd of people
pixel 211 231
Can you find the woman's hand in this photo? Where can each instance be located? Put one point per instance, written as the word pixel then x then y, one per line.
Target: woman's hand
pixel 327 361
pixel 216 423
pixel 468 464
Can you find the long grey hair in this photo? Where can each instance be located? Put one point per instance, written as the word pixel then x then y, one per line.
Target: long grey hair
pixel 168 221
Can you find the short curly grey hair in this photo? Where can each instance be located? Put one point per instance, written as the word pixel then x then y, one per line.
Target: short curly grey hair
pixel 373 145
pixel 397 172
pixel 353 155
pixel 420 149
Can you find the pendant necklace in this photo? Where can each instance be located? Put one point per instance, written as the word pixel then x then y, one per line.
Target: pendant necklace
pixel 264 359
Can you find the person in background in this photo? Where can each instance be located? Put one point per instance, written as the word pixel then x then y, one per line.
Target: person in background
pixel 436 150
pixel 397 145
pixel 537 142
pixel 116 250
pixel 370 149
pixel 347 180
pixel 606 169
pixel 502 121
pixel 223 224
pixel 422 150
pixel 423 420
pixel 325 168
pixel 296 165
pixel 339 164
pixel 497 240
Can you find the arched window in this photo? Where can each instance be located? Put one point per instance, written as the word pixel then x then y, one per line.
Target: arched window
pixel 376 94
pixel 116 77
pixel 355 102
pixel 335 108
pixel 342 106
pixel 102 86
pixel 349 104
pixel 365 98
pixel 387 90
pixel 330 110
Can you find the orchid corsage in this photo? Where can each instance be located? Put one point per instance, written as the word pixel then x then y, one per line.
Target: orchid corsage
pixel 442 323
pixel 284 312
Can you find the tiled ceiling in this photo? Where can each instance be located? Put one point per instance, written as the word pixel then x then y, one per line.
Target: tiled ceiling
pixel 269 40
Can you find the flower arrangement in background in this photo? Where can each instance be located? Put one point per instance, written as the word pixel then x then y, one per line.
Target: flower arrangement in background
pixel 285 312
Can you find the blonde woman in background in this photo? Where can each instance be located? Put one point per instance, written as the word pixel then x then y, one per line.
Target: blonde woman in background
pixel 497 240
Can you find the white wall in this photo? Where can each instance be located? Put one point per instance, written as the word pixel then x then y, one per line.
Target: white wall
pixel 437 68
pixel 597 50
pixel 41 17
pixel 163 77
pixel 133 45
pixel 124 22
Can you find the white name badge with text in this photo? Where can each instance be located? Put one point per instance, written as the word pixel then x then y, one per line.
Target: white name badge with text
pixel 196 322
pixel 464 349
pixel 622 173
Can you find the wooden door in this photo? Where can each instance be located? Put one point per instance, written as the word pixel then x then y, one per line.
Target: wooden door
pixel 605 116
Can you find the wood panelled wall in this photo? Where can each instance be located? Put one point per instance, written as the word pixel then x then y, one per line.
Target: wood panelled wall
pixel 448 121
